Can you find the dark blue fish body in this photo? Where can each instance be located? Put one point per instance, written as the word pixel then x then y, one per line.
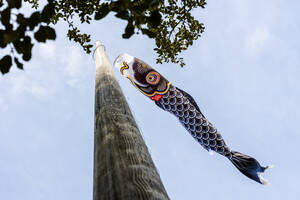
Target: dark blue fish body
pixel 184 107
pixel 190 116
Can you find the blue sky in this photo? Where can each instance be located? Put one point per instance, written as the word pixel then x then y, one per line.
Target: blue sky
pixel 243 72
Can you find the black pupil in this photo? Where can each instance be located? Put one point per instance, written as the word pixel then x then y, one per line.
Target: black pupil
pixel 151 78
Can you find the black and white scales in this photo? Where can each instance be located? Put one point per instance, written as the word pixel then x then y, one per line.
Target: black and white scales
pixel 183 106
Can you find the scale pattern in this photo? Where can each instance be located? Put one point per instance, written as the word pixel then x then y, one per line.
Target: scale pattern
pixel 175 102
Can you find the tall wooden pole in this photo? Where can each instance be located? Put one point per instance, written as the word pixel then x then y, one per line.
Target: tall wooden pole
pixel 123 168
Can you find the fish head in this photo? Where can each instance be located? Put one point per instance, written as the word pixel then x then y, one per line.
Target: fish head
pixel 146 79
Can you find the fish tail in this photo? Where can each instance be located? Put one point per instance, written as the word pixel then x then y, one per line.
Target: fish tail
pixel 249 166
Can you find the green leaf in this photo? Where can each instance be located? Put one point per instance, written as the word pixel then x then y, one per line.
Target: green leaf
pixel 102 11
pixel 2 43
pixel 5 64
pixel 155 19
pixel 48 12
pixel 18 46
pixel 129 30
pixel 21 30
pixel 27 56
pixel 19 65
pixel 5 17
pixel 10 36
pixel 24 46
pixel 44 33
pixel 149 33
pixel 34 20
pixel 14 3
pixel 20 18
pixel 124 14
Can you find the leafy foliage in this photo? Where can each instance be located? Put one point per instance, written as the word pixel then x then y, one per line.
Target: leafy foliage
pixel 170 23
pixel 17 29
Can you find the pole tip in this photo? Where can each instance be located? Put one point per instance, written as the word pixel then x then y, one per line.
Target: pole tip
pixel 98 43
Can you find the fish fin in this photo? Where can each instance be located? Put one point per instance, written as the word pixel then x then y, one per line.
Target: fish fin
pixel 270 166
pixel 191 99
pixel 159 105
pixel 249 166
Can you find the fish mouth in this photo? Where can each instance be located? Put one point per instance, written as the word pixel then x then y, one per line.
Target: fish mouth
pixel 124 63
pixel 128 72
pixel 123 58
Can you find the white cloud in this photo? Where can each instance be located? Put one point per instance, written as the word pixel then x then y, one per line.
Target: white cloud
pixel 47 50
pixel 69 58
pixel 3 106
pixel 257 40
pixel 74 67
pixel 38 78
pixel 53 64
pixel 73 61
pixel 24 84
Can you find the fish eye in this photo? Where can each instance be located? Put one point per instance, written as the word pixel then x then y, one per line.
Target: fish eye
pixel 152 78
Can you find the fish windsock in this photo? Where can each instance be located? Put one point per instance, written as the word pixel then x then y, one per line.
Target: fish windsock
pixel 176 101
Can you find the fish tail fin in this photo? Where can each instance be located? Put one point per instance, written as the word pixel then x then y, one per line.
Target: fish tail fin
pixel 249 166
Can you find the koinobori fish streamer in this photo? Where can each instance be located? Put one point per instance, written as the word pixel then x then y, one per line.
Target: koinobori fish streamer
pixel 176 101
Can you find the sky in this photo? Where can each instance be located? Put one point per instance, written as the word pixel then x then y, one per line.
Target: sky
pixel 243 73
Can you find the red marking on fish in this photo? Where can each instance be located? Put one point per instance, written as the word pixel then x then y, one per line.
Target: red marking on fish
pixel 156 97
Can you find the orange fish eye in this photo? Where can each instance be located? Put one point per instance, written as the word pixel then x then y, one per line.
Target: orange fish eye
pixel 152 78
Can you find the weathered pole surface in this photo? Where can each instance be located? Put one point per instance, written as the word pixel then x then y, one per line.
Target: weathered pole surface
pixel 123 168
